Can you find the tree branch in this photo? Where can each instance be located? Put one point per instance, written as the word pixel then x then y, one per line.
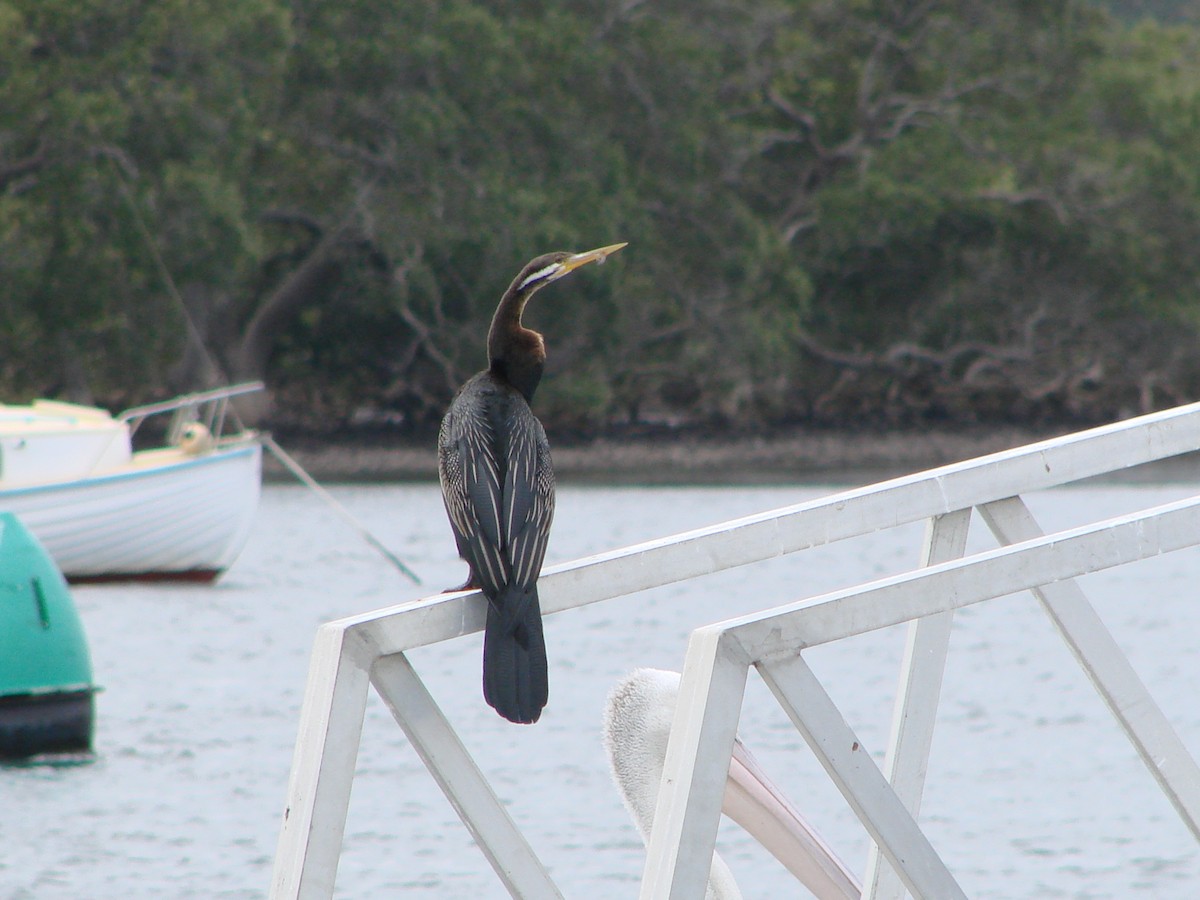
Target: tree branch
pixel 22 167
pixel 250 357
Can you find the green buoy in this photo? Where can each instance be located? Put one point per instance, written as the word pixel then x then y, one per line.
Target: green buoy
pixel 46 689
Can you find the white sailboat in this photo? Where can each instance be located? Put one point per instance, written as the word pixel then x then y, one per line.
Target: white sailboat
pixel 106 512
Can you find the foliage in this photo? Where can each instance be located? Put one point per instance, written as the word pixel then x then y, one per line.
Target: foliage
pixel 112 114
pixel 869 209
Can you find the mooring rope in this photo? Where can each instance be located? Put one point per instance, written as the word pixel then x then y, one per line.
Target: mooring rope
pixel 296 469
pixel 269 442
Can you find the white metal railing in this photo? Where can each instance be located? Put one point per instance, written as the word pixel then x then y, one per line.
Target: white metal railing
pixel 210 407
pixel 719 656
pixel 358 651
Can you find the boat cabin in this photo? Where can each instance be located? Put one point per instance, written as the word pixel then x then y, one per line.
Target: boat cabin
pixel 50 440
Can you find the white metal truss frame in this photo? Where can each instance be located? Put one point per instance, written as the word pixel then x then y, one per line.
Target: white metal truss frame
pixel 369 649
pixel 719 657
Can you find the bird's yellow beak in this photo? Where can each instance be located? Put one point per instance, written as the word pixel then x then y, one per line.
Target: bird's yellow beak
pixel 571 263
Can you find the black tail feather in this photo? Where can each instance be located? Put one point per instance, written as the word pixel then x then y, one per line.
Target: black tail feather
pixel 515 678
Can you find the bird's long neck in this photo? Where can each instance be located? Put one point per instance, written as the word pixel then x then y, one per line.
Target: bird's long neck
pixel 515 353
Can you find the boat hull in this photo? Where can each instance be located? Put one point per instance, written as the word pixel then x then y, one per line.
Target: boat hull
pixel 165 516
pixel 193 576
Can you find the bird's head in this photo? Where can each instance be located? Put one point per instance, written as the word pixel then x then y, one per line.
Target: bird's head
pixel 550 267
pixel 514 351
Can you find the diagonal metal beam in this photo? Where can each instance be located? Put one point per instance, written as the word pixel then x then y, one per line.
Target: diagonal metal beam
pixel 851 768
pixel 460 779
pixel 1109 670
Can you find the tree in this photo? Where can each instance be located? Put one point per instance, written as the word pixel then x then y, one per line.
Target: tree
pixel 126 133
pixel 939 169
pixel 889 210
pixel 556 130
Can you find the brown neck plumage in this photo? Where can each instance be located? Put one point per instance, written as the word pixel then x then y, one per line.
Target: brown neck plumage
pixel 515 353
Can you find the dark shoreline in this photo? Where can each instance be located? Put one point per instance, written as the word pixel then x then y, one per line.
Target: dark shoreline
pixel 827 456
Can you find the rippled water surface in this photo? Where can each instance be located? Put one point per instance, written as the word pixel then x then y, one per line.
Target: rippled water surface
pixel 1032 790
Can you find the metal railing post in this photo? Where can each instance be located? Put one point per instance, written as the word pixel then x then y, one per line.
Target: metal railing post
pixel 920 686
pixel 680 849
pixel 318 797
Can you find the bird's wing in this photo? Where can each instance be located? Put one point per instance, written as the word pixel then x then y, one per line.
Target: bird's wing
pixel 470 475
pixel 528 496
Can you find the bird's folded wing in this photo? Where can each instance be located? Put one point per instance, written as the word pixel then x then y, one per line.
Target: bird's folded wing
pixel 527 498
pixel 472 491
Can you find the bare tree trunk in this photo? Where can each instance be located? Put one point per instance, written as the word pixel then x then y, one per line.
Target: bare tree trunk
pixel 197 369
pixel 75 386
pixel 248 359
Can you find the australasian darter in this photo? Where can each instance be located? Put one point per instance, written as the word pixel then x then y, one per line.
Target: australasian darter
pixel 498 485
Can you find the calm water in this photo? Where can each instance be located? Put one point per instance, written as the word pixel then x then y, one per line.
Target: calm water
pixel 1032 791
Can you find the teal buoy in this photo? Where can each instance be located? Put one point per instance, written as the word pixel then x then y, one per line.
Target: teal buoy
pixel 46 689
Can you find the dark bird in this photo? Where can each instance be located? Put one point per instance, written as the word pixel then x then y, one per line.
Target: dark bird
pixel 498 486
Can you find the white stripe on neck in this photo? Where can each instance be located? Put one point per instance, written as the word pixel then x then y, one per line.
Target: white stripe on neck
pixel 538 275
